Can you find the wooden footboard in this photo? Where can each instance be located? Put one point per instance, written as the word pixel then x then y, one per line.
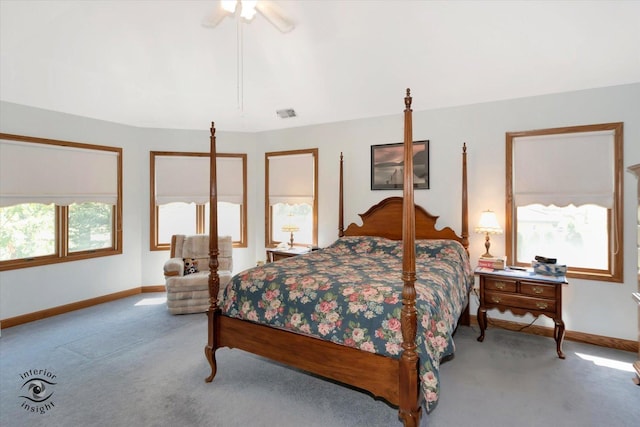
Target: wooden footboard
pixel 367 371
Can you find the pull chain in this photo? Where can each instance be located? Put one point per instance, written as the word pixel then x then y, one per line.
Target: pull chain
pixel 240 65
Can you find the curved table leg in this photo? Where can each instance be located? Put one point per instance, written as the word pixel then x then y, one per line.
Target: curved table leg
pixel 211 358
pixel 411 419
pixel 482 322
pixel 558 335
pixel 213 317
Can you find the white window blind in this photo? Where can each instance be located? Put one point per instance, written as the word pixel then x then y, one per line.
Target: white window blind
pixel 186 179
pixel 291 179
pixel 49 173
pixel 229 171
pixel 564 169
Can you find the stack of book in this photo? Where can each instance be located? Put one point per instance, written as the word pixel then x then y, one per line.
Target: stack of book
pixel 493 263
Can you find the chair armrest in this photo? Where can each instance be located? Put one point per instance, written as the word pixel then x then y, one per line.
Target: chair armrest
pixel 174 267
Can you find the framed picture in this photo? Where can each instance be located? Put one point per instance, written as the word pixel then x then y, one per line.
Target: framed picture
pixel 387 170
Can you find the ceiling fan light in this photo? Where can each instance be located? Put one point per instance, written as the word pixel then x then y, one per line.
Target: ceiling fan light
pixel 229 5
pixel 248 9
pixel 272 13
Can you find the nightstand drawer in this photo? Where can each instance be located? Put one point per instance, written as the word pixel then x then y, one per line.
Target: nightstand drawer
pixel 520 301
pixel 500 285
pixel 538 290
pixel 277 256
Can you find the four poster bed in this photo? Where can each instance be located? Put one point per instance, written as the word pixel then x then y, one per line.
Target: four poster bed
pixel 342 312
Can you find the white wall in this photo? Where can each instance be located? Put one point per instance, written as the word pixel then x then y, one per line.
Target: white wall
pixel 37 288
pixel 593 307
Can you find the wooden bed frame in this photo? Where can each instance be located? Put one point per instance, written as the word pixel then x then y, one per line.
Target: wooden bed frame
pixel 397 380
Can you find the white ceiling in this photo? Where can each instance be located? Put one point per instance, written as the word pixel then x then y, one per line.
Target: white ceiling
pixel 151 63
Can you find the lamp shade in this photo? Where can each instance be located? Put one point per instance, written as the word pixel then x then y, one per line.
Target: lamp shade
pixel 290 228
pixel 488 223
pixel 229 5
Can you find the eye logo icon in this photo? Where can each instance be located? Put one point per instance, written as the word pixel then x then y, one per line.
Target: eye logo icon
pixel 36 390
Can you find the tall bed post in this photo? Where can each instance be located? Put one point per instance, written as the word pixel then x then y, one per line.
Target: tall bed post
pixel 465 211
pixel 341 201
pixel 213 312
pixel 410 408
pixel 465 317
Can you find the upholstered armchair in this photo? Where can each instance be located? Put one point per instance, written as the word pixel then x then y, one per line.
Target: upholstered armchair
pixel 187 272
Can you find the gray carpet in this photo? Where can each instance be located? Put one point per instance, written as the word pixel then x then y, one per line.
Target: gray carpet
pixel 122 364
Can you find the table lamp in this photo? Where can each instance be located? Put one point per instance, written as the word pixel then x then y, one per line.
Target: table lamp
pixel 489 225
pixel 290 228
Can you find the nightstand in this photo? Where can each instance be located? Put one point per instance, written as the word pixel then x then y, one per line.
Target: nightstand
pixel 522 292
pixel 276 254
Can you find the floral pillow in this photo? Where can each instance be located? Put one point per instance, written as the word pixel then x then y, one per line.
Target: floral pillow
pixel 367 245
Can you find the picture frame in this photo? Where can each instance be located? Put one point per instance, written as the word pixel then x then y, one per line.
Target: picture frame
pixel 387 172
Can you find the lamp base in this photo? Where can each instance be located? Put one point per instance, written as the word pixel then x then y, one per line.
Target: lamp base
pixel 487 244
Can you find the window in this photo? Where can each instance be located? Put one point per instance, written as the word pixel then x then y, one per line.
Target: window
pixel 180 196
pixel 59 201
pixel 291 201
pixel 564 199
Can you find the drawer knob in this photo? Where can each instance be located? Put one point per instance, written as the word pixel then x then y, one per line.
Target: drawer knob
pixel 537 290
pixel 500 285
pixel 542 305
pixel 495 299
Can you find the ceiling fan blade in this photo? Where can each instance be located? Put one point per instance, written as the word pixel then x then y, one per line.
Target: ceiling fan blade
pixel 215 17
pixel 272 14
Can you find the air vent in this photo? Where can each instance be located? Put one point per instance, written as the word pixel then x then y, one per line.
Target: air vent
pixel 286 113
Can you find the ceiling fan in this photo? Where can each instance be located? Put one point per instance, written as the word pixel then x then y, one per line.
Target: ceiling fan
pixel 247 9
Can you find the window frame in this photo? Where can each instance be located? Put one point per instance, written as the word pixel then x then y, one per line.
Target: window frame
pixel 201 218
pixel 268 211
pixel 615 227
pixel 61 253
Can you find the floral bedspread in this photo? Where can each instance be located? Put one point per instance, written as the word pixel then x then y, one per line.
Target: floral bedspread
pixel 351 293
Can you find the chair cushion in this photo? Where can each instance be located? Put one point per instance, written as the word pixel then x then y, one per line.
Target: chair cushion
pixel 193 282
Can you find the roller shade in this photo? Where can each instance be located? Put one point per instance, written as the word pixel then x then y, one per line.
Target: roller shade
pixel 49 173
pixel 230 179
pixel 186 179
pixel 541 164
pixel 291 179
